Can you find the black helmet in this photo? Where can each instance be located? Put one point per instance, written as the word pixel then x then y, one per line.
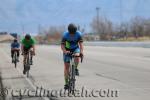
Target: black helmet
pixel 72 28
pixel 15 40
pixel 28 36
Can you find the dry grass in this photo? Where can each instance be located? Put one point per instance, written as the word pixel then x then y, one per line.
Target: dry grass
pixel 134 39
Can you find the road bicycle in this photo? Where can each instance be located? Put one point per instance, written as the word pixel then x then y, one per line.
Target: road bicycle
pixel 27 63
pixel 72 79
pixel 15 59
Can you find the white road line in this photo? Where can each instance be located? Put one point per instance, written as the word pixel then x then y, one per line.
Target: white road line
pixel 28 80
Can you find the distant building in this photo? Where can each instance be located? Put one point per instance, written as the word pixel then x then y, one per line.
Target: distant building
pixel 3 33
pixel 15 35
pixel 6 38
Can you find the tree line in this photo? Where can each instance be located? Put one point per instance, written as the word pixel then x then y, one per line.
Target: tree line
pixel 135 27
pixel 104 28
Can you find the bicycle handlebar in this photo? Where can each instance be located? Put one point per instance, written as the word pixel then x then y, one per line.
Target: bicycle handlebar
pixel 72 55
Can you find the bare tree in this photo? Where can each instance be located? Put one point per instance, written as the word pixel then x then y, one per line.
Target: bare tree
pixel 124 29
pixel 147 27
pixel 137 26
pixel 52 34
pixel 102 26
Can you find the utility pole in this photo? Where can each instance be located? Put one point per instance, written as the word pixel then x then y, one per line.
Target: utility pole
pixel 97 11
pixel 121 17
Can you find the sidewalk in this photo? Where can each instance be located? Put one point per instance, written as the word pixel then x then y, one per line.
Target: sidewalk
pixel 2 92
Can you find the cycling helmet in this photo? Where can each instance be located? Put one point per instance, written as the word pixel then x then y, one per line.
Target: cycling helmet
pixel 28 36
pixel 72 28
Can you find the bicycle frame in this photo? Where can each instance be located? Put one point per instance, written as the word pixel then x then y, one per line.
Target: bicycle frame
pixel 72 76
pixel 72 73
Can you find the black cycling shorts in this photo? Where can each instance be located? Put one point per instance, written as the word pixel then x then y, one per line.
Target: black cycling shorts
pixel 26 49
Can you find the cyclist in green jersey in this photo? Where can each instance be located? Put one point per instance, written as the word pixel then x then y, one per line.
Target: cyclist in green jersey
pixel 27 43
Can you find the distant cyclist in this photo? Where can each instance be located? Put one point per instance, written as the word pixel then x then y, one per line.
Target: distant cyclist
pixel 27 43
pixel 15 46
pixel 71 42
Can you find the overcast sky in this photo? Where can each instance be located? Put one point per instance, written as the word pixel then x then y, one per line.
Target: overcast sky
pixel 30 13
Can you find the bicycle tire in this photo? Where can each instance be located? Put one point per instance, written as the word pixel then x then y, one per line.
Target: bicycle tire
pixel 73 79
pixel 28 64
pixel 15 59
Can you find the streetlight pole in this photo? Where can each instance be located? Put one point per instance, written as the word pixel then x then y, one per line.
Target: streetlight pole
pixel 97 10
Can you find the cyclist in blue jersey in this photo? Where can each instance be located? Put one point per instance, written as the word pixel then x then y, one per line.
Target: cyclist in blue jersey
pixel 15 46
pixel 71 42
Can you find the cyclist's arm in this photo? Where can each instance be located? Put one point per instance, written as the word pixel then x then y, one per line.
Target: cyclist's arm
pixel 33 48
pixel 81 47
pixel 63 47
pixel 81 43
pixel 63 44
pixel 33 45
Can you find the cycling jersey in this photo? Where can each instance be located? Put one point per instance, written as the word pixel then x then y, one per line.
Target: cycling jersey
pixel 15 45
pixel 71 42
pixel 28 44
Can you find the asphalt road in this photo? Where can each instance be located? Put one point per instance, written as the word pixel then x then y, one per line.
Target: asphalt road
pixel 108 73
